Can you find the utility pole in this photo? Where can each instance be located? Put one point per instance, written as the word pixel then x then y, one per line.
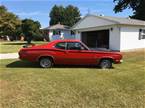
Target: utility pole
pixel 88 11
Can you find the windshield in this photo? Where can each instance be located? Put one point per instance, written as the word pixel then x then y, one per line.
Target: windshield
pixel 85 46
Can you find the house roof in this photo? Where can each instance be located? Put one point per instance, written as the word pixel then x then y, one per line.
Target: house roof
pixel 115 20
pixel 127 21
pixel 57 26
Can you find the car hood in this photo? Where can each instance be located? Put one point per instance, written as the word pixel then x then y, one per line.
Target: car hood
pixel 106 52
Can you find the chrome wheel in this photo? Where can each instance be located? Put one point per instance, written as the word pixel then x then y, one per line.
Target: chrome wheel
pixel 106 64
pixel 45 62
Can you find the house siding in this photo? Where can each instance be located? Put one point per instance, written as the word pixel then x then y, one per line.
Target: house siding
pixel 129 38
pixel 78 36
pixel 114 38
pixel 65 33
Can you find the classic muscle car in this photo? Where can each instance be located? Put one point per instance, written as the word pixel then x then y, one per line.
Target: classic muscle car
pixel 68 52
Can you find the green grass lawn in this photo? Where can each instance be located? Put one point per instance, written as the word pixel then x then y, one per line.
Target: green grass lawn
pixel 10 47
pixel 25 85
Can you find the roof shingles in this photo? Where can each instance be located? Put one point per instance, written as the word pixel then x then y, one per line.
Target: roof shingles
pixel 127 21
pixel 57 26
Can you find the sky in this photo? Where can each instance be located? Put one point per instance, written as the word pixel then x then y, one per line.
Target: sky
pixel 39 10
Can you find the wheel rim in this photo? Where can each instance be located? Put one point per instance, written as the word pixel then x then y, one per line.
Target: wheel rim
pixel 45 63
pixel 105 64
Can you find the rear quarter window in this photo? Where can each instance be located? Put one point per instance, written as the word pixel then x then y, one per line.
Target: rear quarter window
pixel 60 45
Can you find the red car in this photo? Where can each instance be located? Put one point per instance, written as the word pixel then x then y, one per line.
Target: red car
pixel 70 52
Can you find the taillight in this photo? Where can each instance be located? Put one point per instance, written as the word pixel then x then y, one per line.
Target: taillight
pixel 22 52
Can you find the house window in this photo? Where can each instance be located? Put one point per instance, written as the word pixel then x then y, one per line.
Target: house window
pixel 141 34
pixel 56 32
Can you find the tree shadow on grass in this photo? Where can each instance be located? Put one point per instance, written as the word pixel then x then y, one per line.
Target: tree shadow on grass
pixel 19 43
pixel 26 64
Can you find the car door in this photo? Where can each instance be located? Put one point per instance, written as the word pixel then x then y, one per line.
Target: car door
pixel 60 54
pixel 77 54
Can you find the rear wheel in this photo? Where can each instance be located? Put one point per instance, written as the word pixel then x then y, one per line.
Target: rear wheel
pixel 45 62
pixel 105 63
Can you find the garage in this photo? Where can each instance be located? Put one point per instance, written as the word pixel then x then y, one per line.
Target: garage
pixel 96 39
pixel 113 33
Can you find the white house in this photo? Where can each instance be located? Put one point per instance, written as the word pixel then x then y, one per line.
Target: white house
pixel 58 31
pixel 111 32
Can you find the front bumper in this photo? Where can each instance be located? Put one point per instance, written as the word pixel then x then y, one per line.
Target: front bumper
pixel 118 61
pixel 121 61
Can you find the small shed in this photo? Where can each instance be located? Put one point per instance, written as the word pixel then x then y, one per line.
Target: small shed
pixel 58 31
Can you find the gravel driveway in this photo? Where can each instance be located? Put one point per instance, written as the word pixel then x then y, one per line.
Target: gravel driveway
pixel 9 56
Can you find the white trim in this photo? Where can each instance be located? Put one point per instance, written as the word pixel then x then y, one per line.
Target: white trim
pixel 95 28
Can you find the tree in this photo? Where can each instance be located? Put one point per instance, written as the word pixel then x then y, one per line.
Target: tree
pixel 57 15
pixel 30 29
pixel 140 11
pixel 138 6
pixel 65 15
pixel 72 15
pixel 8 22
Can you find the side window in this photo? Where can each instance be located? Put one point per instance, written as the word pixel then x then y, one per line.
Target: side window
pixel 60 45
pixel 74 46
pixel 141 34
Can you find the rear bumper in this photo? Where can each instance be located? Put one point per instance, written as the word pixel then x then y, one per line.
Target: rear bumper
pixel 22 56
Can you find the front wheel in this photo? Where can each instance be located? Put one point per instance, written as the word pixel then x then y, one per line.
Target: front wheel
pixel 106 63
pixel 45 62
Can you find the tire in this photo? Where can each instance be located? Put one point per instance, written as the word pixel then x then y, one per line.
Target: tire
pixel 45 62
pixel 105 64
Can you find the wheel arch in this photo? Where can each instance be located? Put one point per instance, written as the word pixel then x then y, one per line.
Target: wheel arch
pixel 46 56
pixel 106 58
